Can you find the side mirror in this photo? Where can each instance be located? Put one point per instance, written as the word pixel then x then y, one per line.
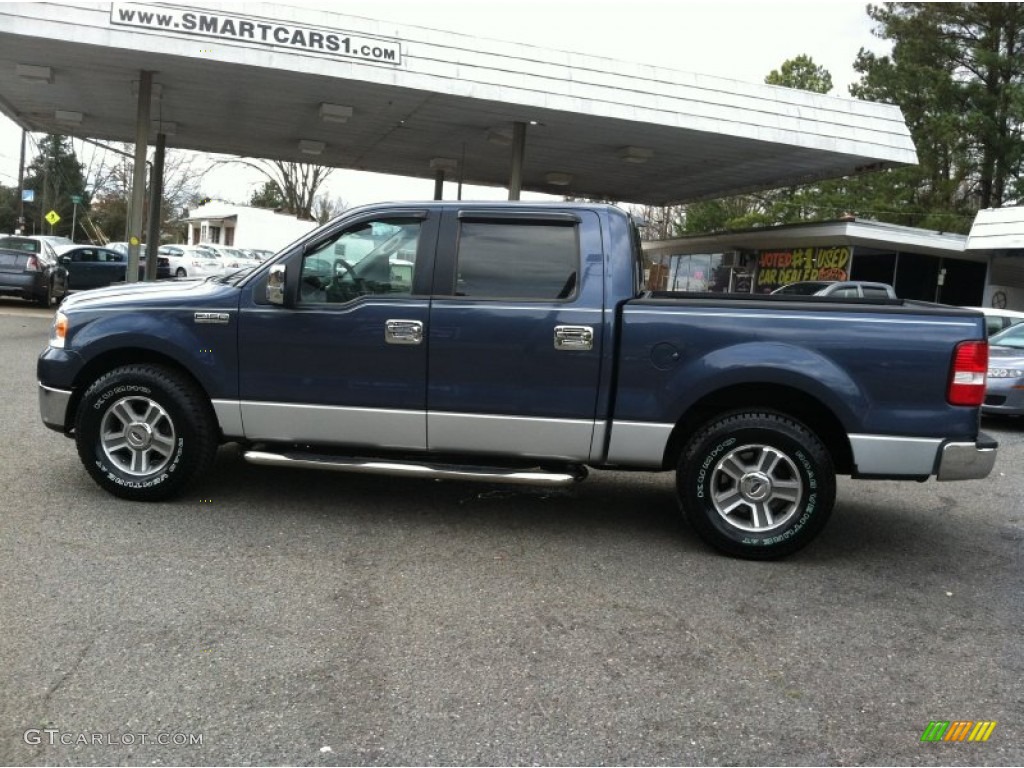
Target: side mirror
pixel 65 260
pixel 276 284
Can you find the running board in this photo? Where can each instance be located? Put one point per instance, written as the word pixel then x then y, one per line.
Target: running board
pixel 573 474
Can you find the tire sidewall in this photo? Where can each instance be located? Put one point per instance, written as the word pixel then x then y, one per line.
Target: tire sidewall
pixel 96 402
pixel 813 465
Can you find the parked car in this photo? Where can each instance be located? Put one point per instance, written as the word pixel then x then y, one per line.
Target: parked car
pixel 1004 387
pixel 29 268
pixel 997 320
pixel 191 260
pixel 91 266
pixel 850 289
pixel 233 259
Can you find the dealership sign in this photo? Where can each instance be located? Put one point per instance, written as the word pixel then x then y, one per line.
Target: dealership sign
pixel 233 27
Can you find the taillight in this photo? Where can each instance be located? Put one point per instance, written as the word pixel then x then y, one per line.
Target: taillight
pixel 32 265
pixel 967 379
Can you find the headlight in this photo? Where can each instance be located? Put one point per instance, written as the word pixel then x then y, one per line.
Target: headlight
pixel 1005 373
pixel 59 330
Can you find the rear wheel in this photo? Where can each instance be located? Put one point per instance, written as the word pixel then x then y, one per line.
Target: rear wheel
pixel 180 272
pixel 758 485
pixel 145 432
pixel 47 298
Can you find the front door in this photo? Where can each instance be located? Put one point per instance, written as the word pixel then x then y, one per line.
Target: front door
pixel 346 362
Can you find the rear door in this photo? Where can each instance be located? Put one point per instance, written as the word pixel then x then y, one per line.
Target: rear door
pixel 515 333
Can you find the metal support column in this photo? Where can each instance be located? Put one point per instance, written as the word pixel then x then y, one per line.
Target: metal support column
pixel 139 176
pixel 439 184
pixel 156 193
pixel 515 181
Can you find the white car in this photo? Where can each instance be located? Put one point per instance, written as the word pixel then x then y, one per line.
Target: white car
pixel 997 320
pixel 191 260
pixel 233 259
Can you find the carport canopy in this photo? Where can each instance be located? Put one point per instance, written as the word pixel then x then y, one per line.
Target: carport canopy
pixel 308 85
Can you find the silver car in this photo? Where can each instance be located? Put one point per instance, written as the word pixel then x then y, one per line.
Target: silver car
pixel 1004 388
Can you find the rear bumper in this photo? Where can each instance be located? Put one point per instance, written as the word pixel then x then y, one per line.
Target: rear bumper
pixel 53 407
pixel 894 457
pixel 968 461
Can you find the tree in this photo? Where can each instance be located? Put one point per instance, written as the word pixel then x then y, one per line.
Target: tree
pixel 8 209
pixel 957 72
pixel 298 183
pixel 111 179
pixel 267 196
pixel 801 73
pixel 326 208
pixel 779 206
pixel 55 174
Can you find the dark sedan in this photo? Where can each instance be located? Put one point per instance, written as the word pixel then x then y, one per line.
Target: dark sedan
pixel 91 266
pixel 29 269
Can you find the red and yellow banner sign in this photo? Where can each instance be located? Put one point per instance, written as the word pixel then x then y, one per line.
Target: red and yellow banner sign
pixel 776 268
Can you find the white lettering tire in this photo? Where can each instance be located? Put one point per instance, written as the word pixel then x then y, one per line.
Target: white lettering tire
pixel 145 432
pixel 756 484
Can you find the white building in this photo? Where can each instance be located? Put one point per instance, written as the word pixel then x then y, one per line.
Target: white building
pixel 243 226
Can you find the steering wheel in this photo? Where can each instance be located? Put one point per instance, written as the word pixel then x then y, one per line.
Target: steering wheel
pixel 348 269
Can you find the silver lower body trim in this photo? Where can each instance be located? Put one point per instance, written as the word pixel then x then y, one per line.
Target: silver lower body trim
pixel 520 436
pixel 424 470
pixel 638 443
pixel 334 425
pixel 893 456
pixel 229 416
pixel 53 407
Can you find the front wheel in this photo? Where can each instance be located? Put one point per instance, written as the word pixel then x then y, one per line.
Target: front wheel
pixel 145 432
pixel 757 485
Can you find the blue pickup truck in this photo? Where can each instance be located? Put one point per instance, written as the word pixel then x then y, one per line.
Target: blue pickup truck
pixel 515 342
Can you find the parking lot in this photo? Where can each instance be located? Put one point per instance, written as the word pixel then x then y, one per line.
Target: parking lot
pixel 304 618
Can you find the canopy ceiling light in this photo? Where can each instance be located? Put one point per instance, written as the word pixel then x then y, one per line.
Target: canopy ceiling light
pixel 34 73
pixel 446 164
pixel 559 179
pixel 309 147
pixel 635 154
pixel 335 113
pixel 67 116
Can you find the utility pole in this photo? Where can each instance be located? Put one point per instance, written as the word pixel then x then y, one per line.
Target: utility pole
pixel 21 186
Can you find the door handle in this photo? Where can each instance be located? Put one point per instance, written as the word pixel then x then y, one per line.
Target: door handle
pixel 570 338
pixel 403 331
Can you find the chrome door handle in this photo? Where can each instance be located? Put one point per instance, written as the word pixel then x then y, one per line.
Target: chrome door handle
pixel 403 331
pixel 574 337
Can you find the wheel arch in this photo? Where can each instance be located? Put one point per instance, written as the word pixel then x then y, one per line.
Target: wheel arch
pixel 790 401
pixel 115 358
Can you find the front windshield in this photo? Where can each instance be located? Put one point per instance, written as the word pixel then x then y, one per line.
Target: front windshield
pixel 1011 337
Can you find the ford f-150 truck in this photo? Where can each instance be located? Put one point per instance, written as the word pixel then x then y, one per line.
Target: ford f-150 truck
pixel 516 342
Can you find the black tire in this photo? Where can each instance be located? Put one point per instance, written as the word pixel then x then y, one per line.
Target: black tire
pixel 180 272
pixel 145 432
pixel 47 298
pixel 756 484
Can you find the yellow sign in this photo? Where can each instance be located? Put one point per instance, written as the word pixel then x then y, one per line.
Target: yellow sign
pixel 52 217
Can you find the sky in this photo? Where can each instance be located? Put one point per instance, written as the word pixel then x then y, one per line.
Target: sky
pixel 738 40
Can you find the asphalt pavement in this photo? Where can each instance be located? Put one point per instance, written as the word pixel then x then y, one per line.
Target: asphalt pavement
pixel 285 617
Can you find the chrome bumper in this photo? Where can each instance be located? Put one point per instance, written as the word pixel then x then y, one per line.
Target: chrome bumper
pixel 53 407
pixel 968 461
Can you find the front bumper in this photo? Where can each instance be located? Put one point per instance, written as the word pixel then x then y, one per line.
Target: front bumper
pixel 53 407
pixel 968 461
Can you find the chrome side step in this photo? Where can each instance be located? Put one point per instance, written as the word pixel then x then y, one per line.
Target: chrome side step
pixel 573 474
